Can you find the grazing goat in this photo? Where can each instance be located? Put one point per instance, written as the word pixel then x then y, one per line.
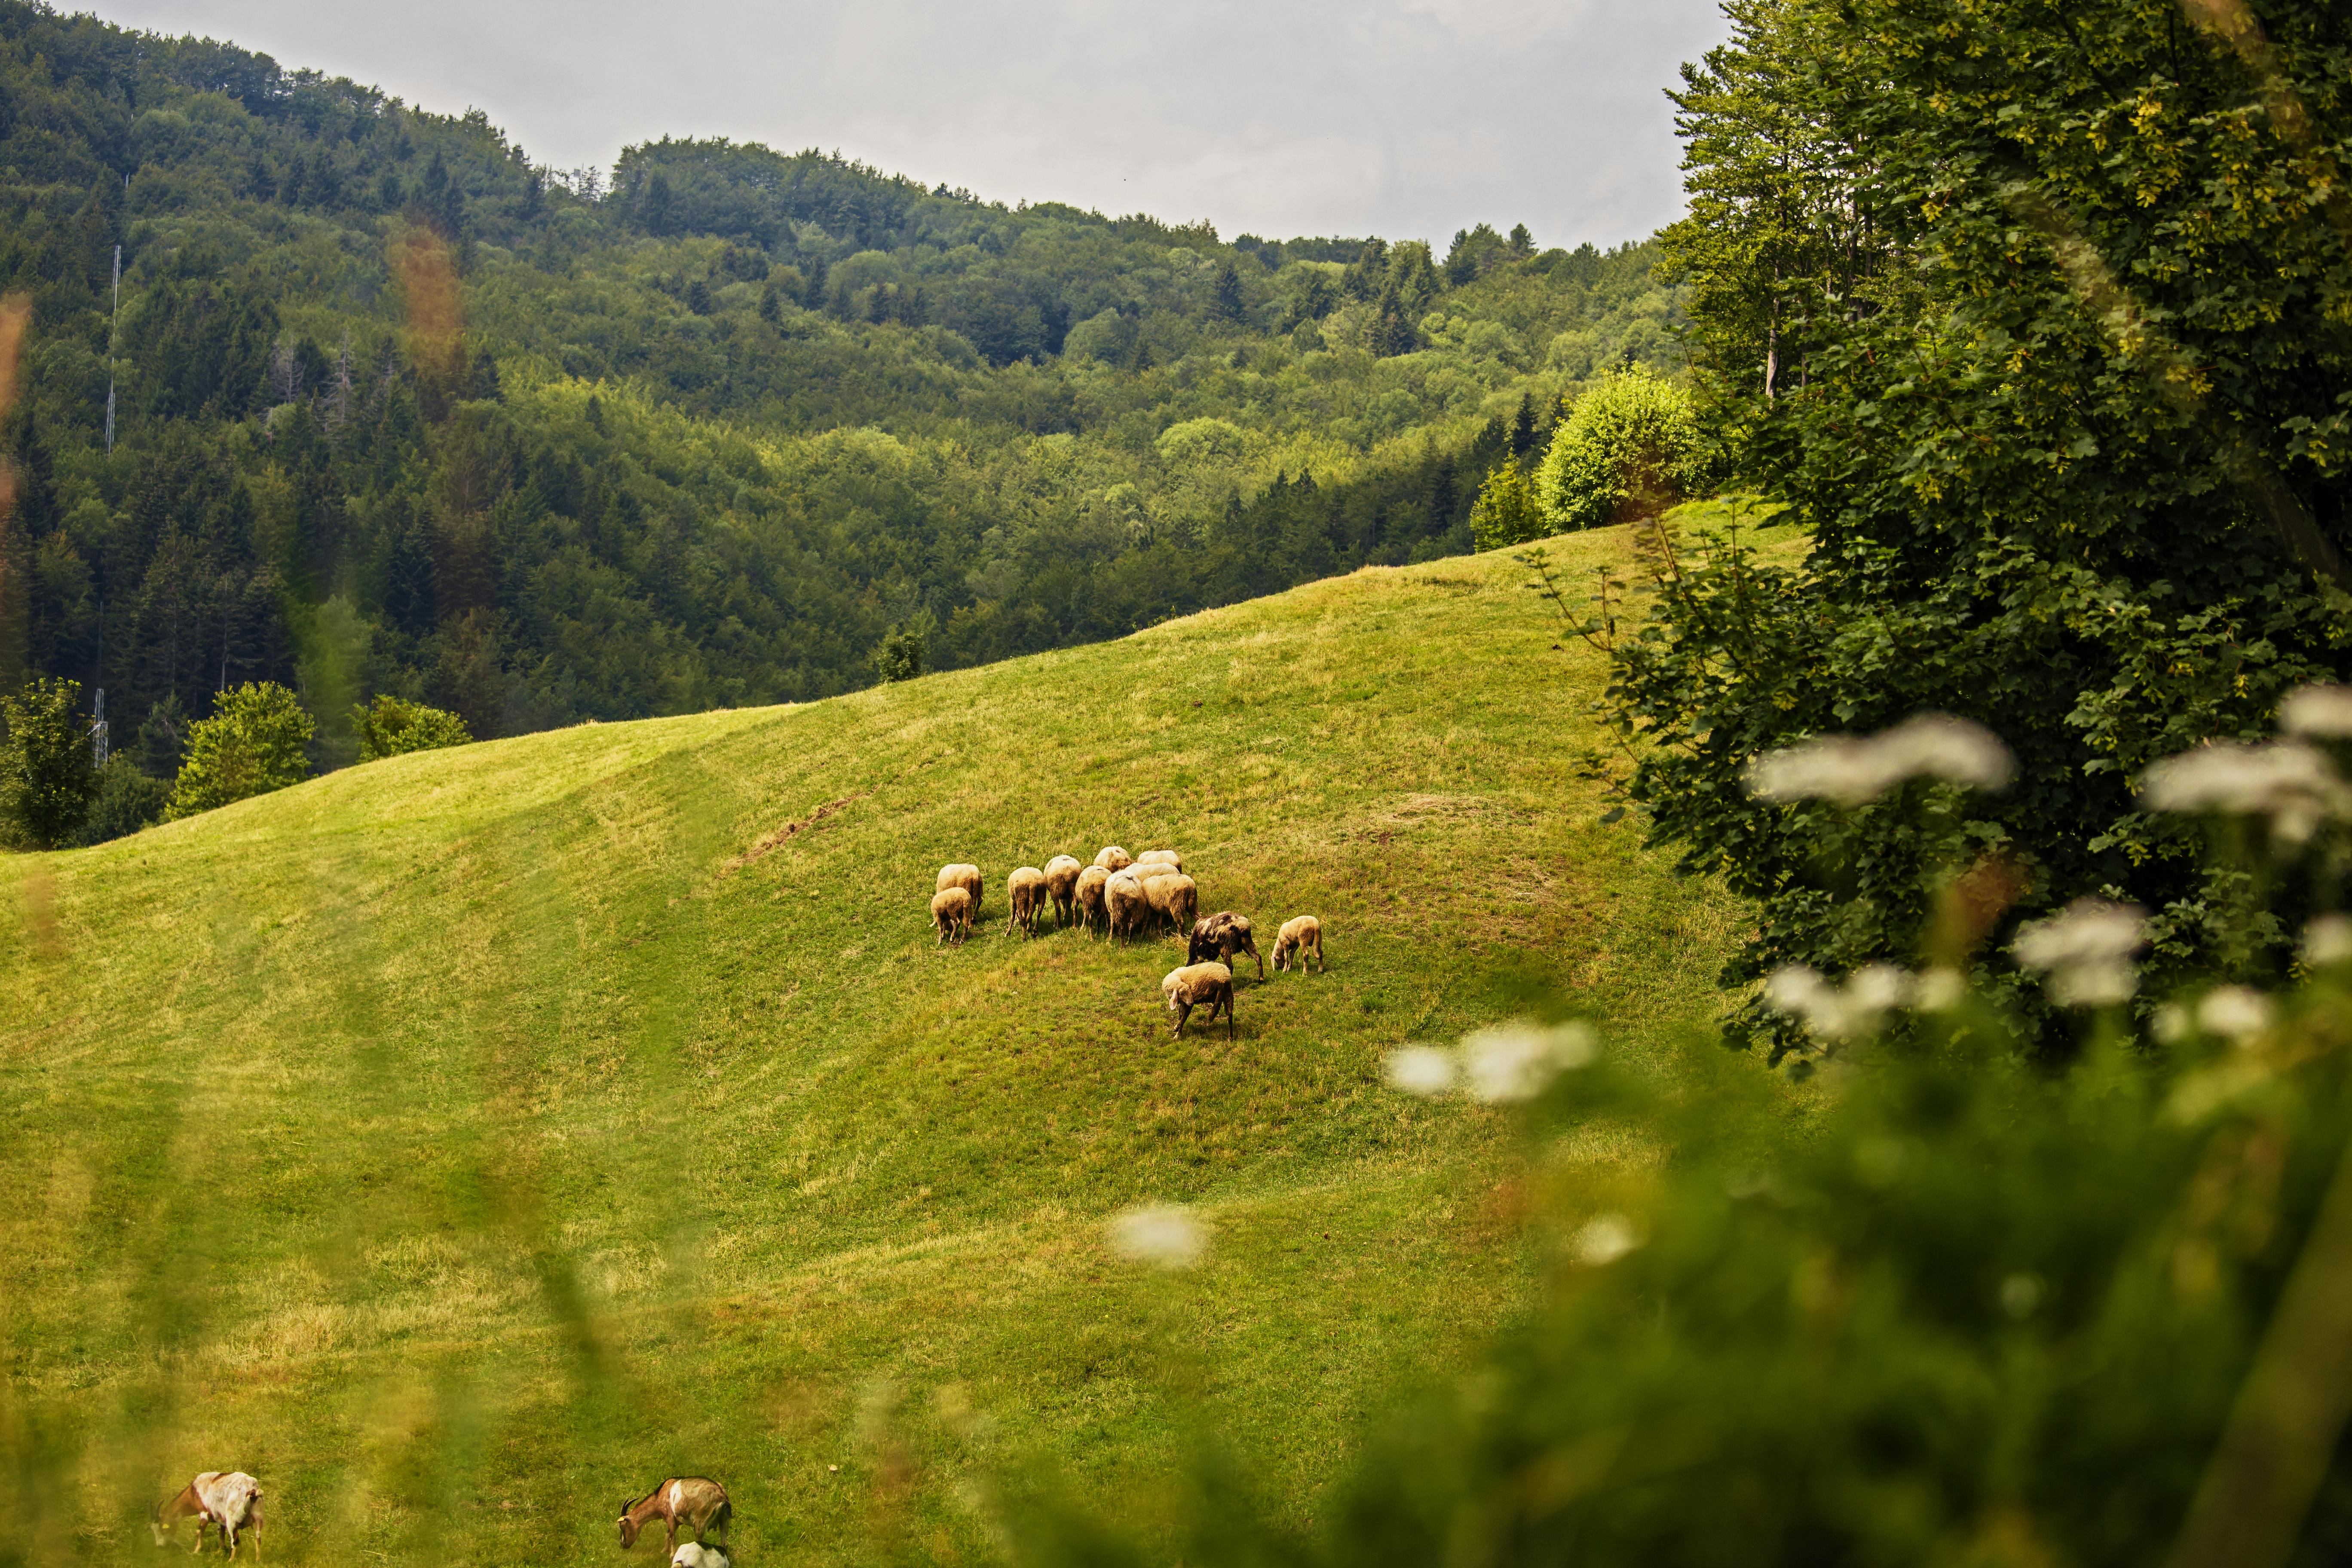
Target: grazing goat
pixel 1062 874
pixel 229 1499
pixel 695 1501
pixel 1195 985
pixel 951 912
pixel 1220 936
pixel 1092 911
pixel 1295 939
pixel 1026 890
pixel 964 877
pixel 1111 857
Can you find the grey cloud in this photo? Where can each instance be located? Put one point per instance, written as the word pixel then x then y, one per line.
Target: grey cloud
pixel 1399 116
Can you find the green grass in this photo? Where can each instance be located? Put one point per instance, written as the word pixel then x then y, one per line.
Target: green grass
pixel 462 1141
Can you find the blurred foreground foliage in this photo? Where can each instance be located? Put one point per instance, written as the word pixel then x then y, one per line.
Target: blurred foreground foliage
pixel 1969 1311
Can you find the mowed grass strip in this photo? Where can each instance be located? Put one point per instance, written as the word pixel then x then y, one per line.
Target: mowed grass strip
pixel 461 1140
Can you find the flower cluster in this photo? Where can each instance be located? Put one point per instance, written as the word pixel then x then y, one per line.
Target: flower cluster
pixel 1850 770
pixel 2087 949
pixel 2291 785
pixel 1834 1013
pixel 1508 1062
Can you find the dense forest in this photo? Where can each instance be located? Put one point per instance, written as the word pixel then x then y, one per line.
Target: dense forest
pixel 379 405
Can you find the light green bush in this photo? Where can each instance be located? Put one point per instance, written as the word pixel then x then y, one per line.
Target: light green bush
pixel 1506 512
pixel 252 744
pixel 391 726
pixel 1630 448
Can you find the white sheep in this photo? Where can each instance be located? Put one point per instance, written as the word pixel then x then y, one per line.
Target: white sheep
pixel 1092 910
pixel 1199 984
pixel 694 1555
pixel 1160 858
pixel 1062 885
pixel 1296 939
pixel 1111 857
pixel 1026 890
pixel 1130 912
pixel 951 912
pixel 960 876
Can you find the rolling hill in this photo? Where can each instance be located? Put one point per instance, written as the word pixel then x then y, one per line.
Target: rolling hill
pixel 461 1140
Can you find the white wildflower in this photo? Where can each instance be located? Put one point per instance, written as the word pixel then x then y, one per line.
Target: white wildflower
pixel 2287 782
pixel 1940 990
pixel 1852 769
pixel 1603 1240
pixel 1424 1070
pixel 2327 941
pixel 2172 1023
pixel 1835 1011
pixel 1162 1234
pixel 1875 987
pixel 2086 951
pixel 1514 1061
pixel 2234 1011
pixel 2323 712
pixel 2020 1294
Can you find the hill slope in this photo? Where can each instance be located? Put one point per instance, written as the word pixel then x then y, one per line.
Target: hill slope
pixel 460 1140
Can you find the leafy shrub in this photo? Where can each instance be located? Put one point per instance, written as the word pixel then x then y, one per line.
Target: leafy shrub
pixel 127 801
pixel 899 655
pixel 253 743
pixel 1506 512
pixel 391 726
pixel 47 778
pixel 1630 448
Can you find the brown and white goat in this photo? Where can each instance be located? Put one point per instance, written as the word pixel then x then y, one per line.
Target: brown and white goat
pixel 695 1501
pixel 230 1500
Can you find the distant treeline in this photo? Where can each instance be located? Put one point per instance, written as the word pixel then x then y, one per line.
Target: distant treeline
pixel 394 409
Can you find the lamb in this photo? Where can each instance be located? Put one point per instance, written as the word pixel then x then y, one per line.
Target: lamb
pixel 1222 935
pixel 951 912
pixel 1175 898
pixel 1160 858
pixel 1062 885
pixel 1025 889
pixel 1296 939
pixel 1111 857
pixel 1092 912
pixel 230 1500
pixel 694 1555
pixel 1129 911
pixel 964 877
pixel 1194 985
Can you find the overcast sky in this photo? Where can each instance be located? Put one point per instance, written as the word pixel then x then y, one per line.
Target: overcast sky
pixel 1398 117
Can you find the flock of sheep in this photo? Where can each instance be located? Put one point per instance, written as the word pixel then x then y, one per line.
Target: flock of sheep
pixel 1125 895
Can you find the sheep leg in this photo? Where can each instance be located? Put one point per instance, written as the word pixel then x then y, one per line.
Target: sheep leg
pixel 1183 1011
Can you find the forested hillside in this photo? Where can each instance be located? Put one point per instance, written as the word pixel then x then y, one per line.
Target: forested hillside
pixel 394 409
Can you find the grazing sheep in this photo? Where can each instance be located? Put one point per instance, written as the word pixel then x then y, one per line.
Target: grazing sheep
pixel 1196 984
pixel 1111 857
pixel 1062 885
pixel 1149 872
pixel 694 1555
pixel 1092 912
pixel 951 912
pixel 1174 898
pixel 1025 889
pixel 1130 912
pixel 1160 858
pixel 1222 935
pixel 1296 939
pixel 964 877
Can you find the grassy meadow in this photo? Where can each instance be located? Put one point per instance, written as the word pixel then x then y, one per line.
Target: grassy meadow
pixel 462 1141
